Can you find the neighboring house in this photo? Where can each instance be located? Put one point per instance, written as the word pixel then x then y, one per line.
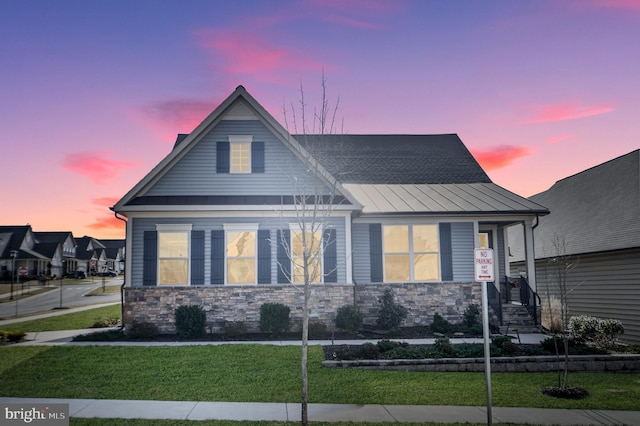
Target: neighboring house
pixel 68 247
pixel 214 223
pixel 91 255
pixel 19 246
pixel 114 251
pixel 595 225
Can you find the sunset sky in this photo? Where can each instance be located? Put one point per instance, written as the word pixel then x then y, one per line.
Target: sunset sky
pixel 93 93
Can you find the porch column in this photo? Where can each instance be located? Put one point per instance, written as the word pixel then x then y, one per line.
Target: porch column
pixel 529 254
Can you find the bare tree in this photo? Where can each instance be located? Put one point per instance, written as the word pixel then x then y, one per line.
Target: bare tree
pixel 315 194
pixel 559 268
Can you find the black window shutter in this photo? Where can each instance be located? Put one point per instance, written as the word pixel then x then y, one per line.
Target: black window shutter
pixel 284 262
pixel 197 258
pixel 150 258
pixel 330 256
pixel 264 257
pixel 257 157
pixel 223 153
pixel 375 244
pixel 446 252
pixel 217 257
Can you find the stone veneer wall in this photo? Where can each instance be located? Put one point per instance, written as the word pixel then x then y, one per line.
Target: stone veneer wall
pixel 242 303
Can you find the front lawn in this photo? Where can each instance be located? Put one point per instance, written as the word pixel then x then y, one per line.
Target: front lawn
pixel 72 321
pixel 265 373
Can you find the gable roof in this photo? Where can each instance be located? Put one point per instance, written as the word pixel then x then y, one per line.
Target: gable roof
pixel 12 239
pixel 595 210
pixel 53 237
pixel 395 159
pixel 240 102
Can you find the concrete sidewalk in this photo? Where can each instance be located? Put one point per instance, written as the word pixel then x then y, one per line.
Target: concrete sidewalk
pixel 257 411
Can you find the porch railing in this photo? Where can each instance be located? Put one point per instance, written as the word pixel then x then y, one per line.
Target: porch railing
pixel 529 298
pixel 494 301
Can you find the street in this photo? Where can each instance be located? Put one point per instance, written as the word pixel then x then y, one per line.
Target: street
pixel 73 295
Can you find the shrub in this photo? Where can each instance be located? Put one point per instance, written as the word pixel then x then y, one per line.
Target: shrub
pixel 106 322
pixel 100 336
pixel 349 318
pixel 141 330
pixel 391 314
pixel 191 321
pixel 444 346
pixel 231 329
pixel 504 344
pixel 603 333
pixel 386 345
pixel 274 318
pixel 318 330
pixel 441 325
pixel 14 336
pixel 472 317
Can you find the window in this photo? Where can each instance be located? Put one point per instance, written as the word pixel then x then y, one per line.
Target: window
pixel 411 253
pixel 241 254
pixel 240 158
pixel 313 243
pixel 173 256
pixel 240 155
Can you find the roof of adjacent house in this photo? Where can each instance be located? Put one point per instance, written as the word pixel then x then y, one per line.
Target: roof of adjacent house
pixel 11 237
pixel 595 210
pixel 52 237
pixel 395 159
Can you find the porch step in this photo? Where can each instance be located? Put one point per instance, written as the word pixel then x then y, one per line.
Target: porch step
pixel 516 317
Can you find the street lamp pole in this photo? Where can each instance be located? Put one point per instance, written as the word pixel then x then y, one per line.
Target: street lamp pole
pixel 14 254
pixel 61 277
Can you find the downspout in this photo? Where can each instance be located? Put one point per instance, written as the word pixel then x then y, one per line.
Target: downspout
pixel 124 281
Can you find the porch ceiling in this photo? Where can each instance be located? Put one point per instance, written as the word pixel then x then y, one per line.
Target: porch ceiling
pixel 472 198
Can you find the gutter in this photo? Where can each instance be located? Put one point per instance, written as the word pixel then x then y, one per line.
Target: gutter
pixel 124 281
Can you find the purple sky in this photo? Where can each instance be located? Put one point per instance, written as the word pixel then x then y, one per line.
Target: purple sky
pixel 93 93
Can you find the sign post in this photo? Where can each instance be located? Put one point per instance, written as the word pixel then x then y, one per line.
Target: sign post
pixel 483 266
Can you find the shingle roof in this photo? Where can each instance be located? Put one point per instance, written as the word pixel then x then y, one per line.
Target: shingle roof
pixel 395 159
pixel 595 210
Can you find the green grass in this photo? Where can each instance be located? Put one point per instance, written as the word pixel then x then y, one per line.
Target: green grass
pixel 265 373
pixel 72 321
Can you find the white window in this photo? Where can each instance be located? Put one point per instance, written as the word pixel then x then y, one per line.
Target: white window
pixel 411 253
pixel 312 242
pixel 241 254
pixel 240 153
pixel 173 254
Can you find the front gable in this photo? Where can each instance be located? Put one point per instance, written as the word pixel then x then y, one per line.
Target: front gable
pixel 239 156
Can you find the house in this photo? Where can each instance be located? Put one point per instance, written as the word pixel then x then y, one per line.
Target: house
pixel 91 255
pixel 68 247
pixel 595 225
pixel 114 252
pixel 217 222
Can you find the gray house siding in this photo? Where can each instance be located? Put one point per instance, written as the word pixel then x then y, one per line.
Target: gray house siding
pixel 140 225
pixel 195 173
pixel 603 285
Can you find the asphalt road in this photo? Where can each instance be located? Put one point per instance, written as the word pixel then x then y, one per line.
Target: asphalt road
pixel 73 295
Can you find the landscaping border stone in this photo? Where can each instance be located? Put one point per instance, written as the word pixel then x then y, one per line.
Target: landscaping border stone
pixel 615 363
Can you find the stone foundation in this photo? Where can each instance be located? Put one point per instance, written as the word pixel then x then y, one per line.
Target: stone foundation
pixel 242 303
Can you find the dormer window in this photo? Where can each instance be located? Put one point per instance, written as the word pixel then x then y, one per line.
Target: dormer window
pixel 240 155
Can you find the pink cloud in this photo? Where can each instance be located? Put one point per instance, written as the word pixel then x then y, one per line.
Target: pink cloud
pixel 499 156
pixel 95 165
pixel 245 53
pixel 560 138
pixel 105 201
pixel 108 223
pixel 567 111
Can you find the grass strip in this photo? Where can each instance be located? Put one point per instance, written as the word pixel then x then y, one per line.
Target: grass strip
pixel 71 321
pixel 265 373
pixel 145 422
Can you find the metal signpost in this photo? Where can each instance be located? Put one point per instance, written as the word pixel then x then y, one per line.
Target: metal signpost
pixel 483 266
